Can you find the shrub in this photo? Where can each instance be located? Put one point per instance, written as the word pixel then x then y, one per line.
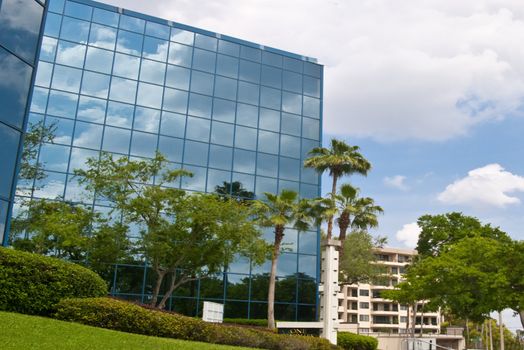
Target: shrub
pixel 33 284
pixel 247 321
pixel 123 316
pixel 352 341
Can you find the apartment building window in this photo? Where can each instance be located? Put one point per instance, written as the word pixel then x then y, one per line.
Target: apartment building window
pixel 386 307
pixel 381 320
pixel 404 258
pixel 352 319
pixel 376 293
pixel 395 307
pixel 354 305
pixel 402 270
pixel 364 305
pixel 364 292
pixel 363 330
pixel 403 319
pixel 382 257
pixel 375 306
pixel 354 293
pixel 364 318
pixel 403 307
pixel 394 270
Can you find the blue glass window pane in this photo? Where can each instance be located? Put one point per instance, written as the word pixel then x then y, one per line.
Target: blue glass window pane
pixel 267 165
pixel 311 128
pixel 288 185
pixel 293 64
pixel 307 264
pixel 244 161
pixel 130 43
pixel 288 265
pixel 20 26
pixel 227 66
pixel 247 115
pixel 269 119
pixel 226 88
pixel 271 77
pixel 38 103
pixel 292 82
pixel 175 100
pixel 143 145
pixel 272 59
pixel 307 242
pixel 200 105
pixel 54 157
pixel 158 30
pixel 224 110
pixel 132 23
pixel 290 146
pixel 222 134
pixel 95 84
pixel 220 157
pixel 312 69
pixel 119 114
pixel 173 124
pixel 228 48
pixel 270 97
pixel 77 10
pixel 62 104
pixel 52 25
pixel 51 187
pixel 63 129
pixel 246 138
pixel 116 140
pixel 195 153
pixel 146 119
pixel 48 49
pixel 171 148
pixel 126 66
pixel 70 54
pixel 250 53
pixel 249 71
pixel 66 78
pixel 155 49
pixel 202 82
pixel 204 60
pixel 149 95
pixel 248 92
pixel 197 182
pixel 216 178
pixel 105 17
pixel 268 142
pixel 74 30
pixel 9 139
pixel 14 89
pixel 80 156
pixel 246 181
pixel 180 55
pixel 311 86
pixel 182 36
pixel 290 124
pixel 289 169
pixel 177 77
pixel 102 36
pixel 91 109
pixel 56 6
pixel 291 103
pixel 99 60
pixel 265 184
pixel 123 90
pixel 289 243
pixel 198 129
pixel 87 135
pixel 308 191
pixel 3 218
pixel 311 107
pixel 308 145
pixel 205 42
pixel 309 175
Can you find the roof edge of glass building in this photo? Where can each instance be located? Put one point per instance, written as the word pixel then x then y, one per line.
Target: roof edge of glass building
pixel 195 29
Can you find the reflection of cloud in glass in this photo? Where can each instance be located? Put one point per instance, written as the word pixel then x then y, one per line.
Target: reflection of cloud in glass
pixel 102 36
pixel 70 54
pixel 147 119
pixel 79 157
pixel 87 135
pixel 48 48
pixel 126 66
pixel 91 109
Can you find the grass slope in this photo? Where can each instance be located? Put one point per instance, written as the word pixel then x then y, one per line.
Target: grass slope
pixel 31 332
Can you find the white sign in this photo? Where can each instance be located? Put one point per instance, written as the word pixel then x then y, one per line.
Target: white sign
pixel 213 312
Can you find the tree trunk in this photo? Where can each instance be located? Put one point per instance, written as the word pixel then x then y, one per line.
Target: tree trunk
pixel 521 314
pixel 279 235
pixel 490 335
pixel 343 224
pixel 501 330
pixel 414 323
pixel 160 277
pixel 174 285
pixel 467 332
pixel 330 220
pixel 422 321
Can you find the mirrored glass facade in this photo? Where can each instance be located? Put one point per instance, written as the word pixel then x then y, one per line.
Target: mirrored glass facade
pixel 115 81
pixel 20 22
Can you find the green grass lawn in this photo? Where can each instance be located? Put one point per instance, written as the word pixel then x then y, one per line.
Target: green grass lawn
pixel 31 332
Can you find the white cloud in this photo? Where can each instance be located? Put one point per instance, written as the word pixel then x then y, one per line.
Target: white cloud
pixel 408 234
pixel 397 181
pixel 427 70
pixel 486 186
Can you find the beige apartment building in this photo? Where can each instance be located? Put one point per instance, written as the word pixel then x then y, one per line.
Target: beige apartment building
pixel 361 309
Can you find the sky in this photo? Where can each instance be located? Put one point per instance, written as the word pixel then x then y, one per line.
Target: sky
pixel 431 90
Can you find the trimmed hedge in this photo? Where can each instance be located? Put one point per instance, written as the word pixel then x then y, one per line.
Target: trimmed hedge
pixel 34 284
pixel 352 341
pixel 258 322
pixel 127 317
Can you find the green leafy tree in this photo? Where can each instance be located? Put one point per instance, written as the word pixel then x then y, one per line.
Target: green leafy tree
pixel 278 212
pixel 36 134
pixel 357 263
pixel 235 189
pixel 513 265
pixel 339 160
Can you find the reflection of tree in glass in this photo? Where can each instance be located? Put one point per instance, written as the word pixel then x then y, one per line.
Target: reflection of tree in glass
pixel 235 189
pixel 36 134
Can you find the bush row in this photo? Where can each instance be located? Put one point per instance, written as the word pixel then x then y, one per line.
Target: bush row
pixel 247 321
pixel 352 341
pixel 33 284
pixel 127 317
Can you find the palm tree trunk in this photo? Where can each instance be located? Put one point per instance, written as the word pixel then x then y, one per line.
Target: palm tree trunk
pixel 160 277
pixel 330 220
pixel 521 314
pixel 343 224
pixel 279 235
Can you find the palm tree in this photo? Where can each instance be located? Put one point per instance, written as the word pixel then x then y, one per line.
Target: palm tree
pixel 279 211
pixel 341 159
pixel 355 212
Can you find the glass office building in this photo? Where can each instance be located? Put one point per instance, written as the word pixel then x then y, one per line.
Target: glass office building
pixel 19 43
pixel 112 80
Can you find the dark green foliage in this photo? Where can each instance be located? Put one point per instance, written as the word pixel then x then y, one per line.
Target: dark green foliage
pixel 247 321
pixel 123 316
pixel 352 341
pixel 33 284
